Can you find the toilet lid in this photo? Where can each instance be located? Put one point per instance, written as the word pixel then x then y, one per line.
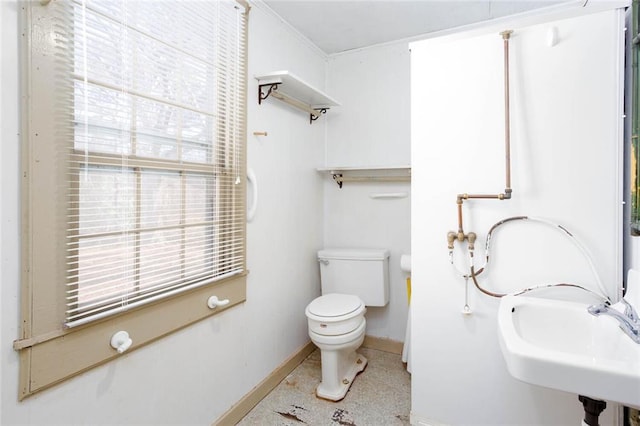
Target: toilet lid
pixel 334 305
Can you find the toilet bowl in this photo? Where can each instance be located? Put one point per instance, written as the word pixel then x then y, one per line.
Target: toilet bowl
pixel 350 279
pixel 337 327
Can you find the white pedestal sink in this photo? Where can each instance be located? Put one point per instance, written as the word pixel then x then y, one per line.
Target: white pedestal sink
pixel 559 345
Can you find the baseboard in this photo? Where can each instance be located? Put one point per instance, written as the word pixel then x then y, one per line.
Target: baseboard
pixel 382 344
pixel 251 399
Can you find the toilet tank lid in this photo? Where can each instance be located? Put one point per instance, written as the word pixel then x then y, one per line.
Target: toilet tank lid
pixel 353 254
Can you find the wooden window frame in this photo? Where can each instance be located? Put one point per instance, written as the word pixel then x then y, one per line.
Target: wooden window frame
pixel 49 352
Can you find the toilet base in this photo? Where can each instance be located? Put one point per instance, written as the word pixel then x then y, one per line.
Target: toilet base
pixel 337 391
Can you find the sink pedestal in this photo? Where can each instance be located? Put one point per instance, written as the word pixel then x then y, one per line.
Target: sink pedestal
pixel 592 409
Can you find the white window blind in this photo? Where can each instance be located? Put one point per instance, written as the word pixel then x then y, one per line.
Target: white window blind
pixel 156 152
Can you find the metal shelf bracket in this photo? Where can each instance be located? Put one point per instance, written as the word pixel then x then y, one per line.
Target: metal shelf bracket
pixel 313 117
pixel 338 178
pixel 262 95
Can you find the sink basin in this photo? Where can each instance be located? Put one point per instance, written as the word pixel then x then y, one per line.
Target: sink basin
pixel 559 345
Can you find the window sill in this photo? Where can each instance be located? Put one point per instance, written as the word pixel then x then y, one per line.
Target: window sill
pixel 80 349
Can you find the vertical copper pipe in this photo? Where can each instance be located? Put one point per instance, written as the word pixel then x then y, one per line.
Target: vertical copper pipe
pixel 507 148
pixel 507 119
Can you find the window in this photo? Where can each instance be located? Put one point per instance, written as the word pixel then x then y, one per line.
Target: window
pixel 134 175
pixel 634 148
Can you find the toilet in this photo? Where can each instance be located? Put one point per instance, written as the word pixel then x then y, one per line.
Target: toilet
pixel 351 279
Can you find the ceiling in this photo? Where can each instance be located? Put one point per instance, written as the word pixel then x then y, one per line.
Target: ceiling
pixel 338 25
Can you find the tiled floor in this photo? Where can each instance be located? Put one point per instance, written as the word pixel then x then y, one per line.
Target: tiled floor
pixel 380 395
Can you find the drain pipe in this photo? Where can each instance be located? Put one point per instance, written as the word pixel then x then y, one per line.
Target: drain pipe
pixel 592 410
pixel 506 195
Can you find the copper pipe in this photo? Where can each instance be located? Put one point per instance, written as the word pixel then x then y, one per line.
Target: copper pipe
pixel 460 228
pixel 506 195
pixel 486 196
pixel 507 119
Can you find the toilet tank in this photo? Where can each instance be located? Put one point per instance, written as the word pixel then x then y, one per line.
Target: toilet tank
pixel 361 272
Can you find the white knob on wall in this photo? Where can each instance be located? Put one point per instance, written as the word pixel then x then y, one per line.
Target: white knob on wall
pixel 214 302
pixel 121 341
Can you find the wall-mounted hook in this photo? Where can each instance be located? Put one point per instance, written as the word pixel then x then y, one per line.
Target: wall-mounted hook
pixel 271 88
pixel 121 341
pixel 214 302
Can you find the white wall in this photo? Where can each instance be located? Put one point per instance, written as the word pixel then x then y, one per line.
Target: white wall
pixel 195 375
pixel 566 163
pixel 371 128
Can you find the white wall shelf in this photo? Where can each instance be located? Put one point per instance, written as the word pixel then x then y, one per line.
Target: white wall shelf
pixel 369 174
pixel 290 89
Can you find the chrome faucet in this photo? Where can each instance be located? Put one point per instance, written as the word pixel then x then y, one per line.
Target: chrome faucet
pixel 629 320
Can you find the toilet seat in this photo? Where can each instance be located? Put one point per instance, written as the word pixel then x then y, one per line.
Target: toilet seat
pixel 334 307
pixel 335 314
pixel 333 342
